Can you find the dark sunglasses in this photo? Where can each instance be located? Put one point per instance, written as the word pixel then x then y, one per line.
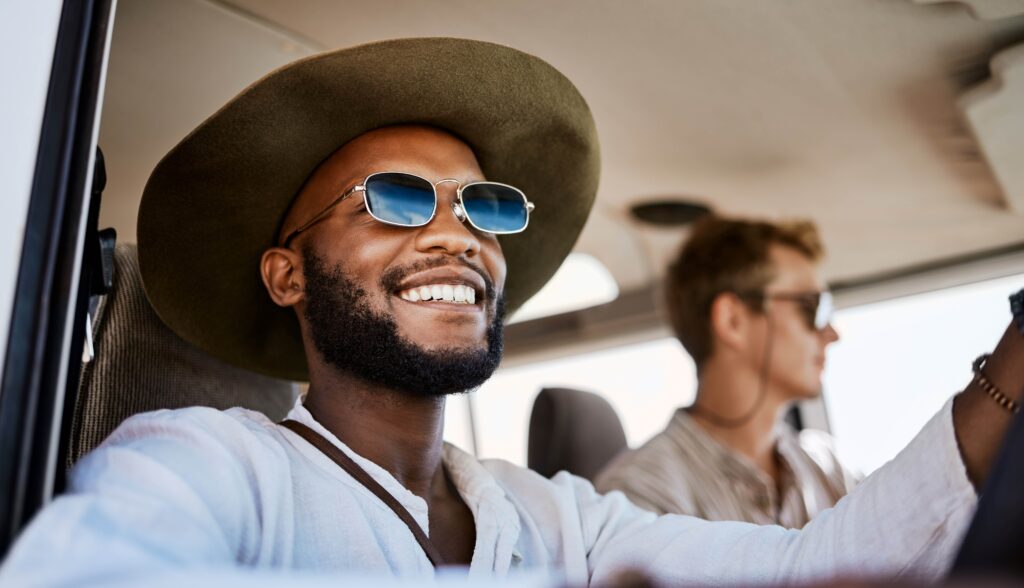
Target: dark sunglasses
pixel 407 200
pixel 816 308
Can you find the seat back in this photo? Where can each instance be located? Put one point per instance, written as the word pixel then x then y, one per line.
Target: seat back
pixel 141 365
pixel 572 430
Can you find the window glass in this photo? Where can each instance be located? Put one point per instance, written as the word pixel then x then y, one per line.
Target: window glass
pixel 580 282
pixel 898 361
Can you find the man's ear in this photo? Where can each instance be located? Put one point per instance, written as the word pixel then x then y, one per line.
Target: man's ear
pixel 281 269
pixel 730 321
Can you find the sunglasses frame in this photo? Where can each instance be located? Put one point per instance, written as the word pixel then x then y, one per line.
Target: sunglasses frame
pixel 820 299
pixel 458 207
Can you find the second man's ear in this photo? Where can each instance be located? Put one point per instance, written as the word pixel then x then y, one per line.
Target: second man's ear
pixel 281 270
pixel 730 321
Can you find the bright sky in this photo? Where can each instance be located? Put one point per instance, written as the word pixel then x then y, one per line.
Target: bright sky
pixel 897 363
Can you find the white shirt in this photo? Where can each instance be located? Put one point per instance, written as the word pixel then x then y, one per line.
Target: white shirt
pixel 231 497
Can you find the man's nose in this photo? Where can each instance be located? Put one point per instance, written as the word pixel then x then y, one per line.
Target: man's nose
pixel 448 231
pixel 830 333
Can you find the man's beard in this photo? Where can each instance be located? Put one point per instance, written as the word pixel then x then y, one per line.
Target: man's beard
pixel 353 338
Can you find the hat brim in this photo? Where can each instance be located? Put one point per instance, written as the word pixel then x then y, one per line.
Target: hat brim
pixel 214 203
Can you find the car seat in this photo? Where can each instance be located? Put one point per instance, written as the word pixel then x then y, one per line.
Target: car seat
pixel 572 430
pixel 141 365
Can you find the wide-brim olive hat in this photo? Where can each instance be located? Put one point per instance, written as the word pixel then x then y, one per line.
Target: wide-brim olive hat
pixel 215 202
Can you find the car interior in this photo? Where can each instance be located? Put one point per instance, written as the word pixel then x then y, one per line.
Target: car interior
pixel 896 125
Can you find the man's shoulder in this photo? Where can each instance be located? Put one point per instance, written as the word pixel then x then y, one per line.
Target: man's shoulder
pixel 660 453
pixel 198 445
pixel 194 429
pixel 656 476
pixel 513 477
pixel 530 489
pixel 223 468
pixel 194 416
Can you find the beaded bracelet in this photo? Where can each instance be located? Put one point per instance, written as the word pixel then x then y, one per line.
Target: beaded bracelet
pixel 1017 308
pixel 1001 399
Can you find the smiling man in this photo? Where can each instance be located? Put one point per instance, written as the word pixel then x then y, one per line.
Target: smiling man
pixel 398 318
pixel 385 194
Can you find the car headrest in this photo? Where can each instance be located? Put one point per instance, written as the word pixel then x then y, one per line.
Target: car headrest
pixel 572 430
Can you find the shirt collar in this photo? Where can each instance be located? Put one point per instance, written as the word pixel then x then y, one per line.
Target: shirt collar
pixel 495 517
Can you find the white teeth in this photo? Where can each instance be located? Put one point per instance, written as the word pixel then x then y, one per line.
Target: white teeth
pixel 458 294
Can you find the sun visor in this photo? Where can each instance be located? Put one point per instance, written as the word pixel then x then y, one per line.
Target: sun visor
pixel 995 114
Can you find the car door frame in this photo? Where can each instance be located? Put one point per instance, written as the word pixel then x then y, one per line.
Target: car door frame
pixel 44 334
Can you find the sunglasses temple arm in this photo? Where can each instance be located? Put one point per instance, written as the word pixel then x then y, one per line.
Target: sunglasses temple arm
pixel 320 215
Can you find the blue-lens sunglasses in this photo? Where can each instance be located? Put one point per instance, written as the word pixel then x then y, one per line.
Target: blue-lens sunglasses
pixel 407 200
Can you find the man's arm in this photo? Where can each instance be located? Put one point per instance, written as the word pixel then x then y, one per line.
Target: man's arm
pixel 906 519
pixel 909 517
pixel 167 503
pixel 162 496
pixel 980 422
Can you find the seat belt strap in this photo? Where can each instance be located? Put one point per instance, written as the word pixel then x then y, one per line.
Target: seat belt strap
pixel 352 468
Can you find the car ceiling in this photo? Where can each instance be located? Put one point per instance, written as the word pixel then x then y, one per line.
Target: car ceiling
pixel 850 112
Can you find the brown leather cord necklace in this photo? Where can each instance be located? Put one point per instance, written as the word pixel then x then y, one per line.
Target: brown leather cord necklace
pixel 352 468
pixel 762 391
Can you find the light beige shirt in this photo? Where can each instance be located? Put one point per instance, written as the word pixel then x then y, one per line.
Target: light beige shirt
pixel 684 470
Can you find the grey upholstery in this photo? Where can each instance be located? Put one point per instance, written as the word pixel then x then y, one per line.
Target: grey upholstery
pixel 141 365
pixel 572 430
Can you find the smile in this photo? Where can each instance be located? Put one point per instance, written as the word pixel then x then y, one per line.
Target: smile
pixel 451 293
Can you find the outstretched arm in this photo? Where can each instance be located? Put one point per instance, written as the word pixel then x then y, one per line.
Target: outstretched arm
pixel 908 518
pixel 981 422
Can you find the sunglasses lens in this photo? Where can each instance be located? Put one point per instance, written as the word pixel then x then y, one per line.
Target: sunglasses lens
pixel 823 312
pixel 400 199
pixel 495 208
